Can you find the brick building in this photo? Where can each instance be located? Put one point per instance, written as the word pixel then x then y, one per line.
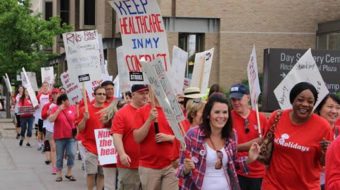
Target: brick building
pixel 230 26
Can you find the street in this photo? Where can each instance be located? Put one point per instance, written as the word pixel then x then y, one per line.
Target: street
pixel 24 168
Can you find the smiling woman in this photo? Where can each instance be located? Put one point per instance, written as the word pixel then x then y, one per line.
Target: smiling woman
pixel 298 156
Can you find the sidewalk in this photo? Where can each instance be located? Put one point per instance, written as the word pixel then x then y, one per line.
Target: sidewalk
pixel 24 168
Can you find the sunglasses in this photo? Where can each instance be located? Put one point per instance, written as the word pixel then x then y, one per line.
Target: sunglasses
pixel 101 94
pixel 246 126
pixel 218 164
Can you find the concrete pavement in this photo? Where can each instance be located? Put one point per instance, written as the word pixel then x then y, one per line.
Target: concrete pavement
pixel 23 168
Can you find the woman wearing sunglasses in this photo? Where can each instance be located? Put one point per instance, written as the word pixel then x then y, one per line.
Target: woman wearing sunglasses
pixel 210 160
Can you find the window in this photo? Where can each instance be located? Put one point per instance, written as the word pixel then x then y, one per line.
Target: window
pixel 48 10
pixel 64 11
pixel 192 43
pixel 89 12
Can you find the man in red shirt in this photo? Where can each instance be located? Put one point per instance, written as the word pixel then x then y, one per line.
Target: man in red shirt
pixel 88 123
pixel 156 147
pixel 246 126
pixel 110 90
pixel 127 148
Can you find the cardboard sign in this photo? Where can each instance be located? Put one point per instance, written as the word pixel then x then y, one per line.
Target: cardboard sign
pixel 253 79
pixel 160 84
pixel 83 57
pixel 32 78
pixel 8 83
pixel 177 72
pixel 305 70
pixel 72 89
pixel 27 84
pixel 123 73
pixel 107 153
pixel 202 68
pixel 103 64
pixel 143 35
pixel 47 75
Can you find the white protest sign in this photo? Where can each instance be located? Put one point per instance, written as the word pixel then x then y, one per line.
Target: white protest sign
pixel 47 75
pixel 177 72
pixel 143 35
pixel 32 78
pixel 107 153
pixel 202 68
pixel 8 83
pixel 305 70
pixel 117 91
pixel 253 79
pixel 123 72
pixel 158 80
pixel 103 65
pixel 83 57
pixel 72 89
pixel 27 84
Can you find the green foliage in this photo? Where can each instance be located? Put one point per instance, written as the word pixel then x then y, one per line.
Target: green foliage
pixel 24 36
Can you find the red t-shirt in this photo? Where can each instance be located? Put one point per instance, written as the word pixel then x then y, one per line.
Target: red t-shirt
pixel 256 169
pixel 333 166
pixel 295 160
pixel 89 140
pixel 154 155
pixel 123 123
pixel 64 122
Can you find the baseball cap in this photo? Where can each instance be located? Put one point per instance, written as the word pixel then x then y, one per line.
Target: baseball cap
pixel 139 88
pixel 238 90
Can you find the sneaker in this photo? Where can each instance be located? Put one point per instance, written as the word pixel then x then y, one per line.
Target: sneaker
pixel 47 162
pixel 20 142
pixel 40 147
pixel 18 136
pixel 28 144
pixel 54 170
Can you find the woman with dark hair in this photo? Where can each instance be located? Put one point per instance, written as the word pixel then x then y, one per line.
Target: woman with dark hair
pixel 64 116
pixel 214 88
pixel 210 158
pixel 25 110
pixel 19 92
pixel 297 155
pixel 329 109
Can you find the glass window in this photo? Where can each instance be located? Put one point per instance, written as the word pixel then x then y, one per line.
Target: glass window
pixel 89 12
pixel 64 11
pixel 48 10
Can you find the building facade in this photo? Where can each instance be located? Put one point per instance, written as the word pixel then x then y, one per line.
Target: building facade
pixel 229 26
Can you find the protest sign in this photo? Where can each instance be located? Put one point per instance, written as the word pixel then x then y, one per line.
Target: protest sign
pixel 27 84
pixel 107 153
pixel 32 78
pixel 47 75
pixel 8 83
pixel 202 68
pixel 305 70
pixel 160 84
pixel 103 65
pixel 177 71
pixel 83 57
pixel 72 89
pixel 117 89
pixel 253 79
pixel 143 35
pixel 123 72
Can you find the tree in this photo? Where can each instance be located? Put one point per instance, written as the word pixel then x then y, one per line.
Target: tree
pixel 24 36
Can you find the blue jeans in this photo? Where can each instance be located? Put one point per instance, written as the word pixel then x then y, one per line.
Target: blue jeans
pixel 26 123
pixel 65 146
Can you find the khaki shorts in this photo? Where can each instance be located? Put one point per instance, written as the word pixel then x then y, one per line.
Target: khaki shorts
pixel 92 165
pixel 48 136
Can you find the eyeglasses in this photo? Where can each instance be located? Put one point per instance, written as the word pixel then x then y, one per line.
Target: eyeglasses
pixel 101 94
pixel 218 164
pixel 246 126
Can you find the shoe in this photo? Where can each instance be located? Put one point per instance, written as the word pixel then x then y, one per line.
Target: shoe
pixel 59 179
pixel 18 136
pixel 71 178
pixel 47 162
pixel 28 144
pixel 40 148
pixel 20 142
pixel 54 170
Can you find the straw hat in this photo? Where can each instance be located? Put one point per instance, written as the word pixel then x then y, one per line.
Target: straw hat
pixel 193 93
